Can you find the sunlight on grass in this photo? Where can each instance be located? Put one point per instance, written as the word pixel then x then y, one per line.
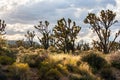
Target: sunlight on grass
pixel 69 58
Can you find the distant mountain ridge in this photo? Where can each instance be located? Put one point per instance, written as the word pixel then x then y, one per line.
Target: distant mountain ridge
pixel 13 42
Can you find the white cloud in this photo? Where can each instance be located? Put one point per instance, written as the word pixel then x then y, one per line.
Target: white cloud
pixel 117 9
pixel 87 36
pixel 78 12
pixel 14 37
pixel 10 6
pixel 19 27
pixel 18 30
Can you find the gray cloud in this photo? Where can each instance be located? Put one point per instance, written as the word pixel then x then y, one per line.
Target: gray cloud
pixel 53 9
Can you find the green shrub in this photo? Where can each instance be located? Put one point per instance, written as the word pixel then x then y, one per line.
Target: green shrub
pixel 50 71
pixel 72 77
pixel 115 59
pixel 116 64
pixel 5 60
pixel 53 74
pixel 87 78
pixel 43 68
pixel 52 49
pixel 107 74
pixel 78 63
pixel 49 67
pixel 33 60
pixel 86 75
pixel 95 61
pixel 5 51
pixel 3 76
pixel 83 76
pixel 73 68
pixel 62 69
pixel 19 71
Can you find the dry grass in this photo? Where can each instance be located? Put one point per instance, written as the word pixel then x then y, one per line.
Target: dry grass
pixel 68 58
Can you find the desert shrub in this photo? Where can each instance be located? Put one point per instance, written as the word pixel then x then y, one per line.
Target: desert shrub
pixel 78 63
pixel 86 73
pixel 73 77
pixel 43 68
pixel 116 64
pixel 33 58
pixel 53 74
pixel 5 51
pixel 107 74
pixel 87 78
pixel 95 61
pixel 52 49
pixel 3 76
pixel 53 69
pixel 115 59
pixel 62 69
pixel 19 71
pixel 73 68
pixel 5 60
pixel 11 53
pixel 2 42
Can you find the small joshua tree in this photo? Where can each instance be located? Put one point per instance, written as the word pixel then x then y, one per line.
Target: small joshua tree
pixel 2 32
pixel 30 36
pixel 101 26
pixel 43 29
pixel 2 27
pixel 20 43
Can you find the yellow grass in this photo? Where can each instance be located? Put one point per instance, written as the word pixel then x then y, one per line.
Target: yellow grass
pixel 69 58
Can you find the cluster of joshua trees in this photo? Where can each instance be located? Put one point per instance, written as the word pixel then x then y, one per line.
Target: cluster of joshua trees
pixel 65 32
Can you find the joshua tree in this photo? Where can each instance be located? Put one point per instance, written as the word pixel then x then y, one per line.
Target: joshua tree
pixel 30 36
pixel 65 34
pixel 43 29
pixel 2 27
pixel 2 32
pixel 83 46
pixel 20 43
pixel 101 26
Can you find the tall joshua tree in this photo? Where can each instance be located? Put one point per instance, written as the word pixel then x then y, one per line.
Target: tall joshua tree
pixel 30 36
pixel 43 29
pixel 2 27
pixel 65 33
pixel 2 32
pixel 101 26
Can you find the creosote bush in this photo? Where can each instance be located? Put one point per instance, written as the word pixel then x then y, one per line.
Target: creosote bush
pixel 62 69
pixel 115 59
pixel 19 71
pixel 95 61
pixel 53 74
pixel 5 60
pixel 107 74
pixel 73 68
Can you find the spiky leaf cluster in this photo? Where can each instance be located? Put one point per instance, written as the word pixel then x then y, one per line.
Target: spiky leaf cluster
pixel 30 36
pixel 65 33
pixel 46 37
pixel 2 27
pixel 101 26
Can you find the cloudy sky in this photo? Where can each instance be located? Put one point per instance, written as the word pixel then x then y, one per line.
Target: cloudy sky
pixel 22 15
